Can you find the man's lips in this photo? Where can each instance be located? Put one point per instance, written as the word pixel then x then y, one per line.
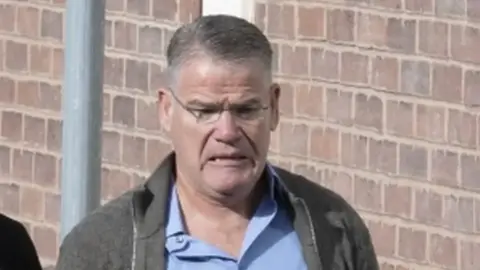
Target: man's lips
pixel 228 160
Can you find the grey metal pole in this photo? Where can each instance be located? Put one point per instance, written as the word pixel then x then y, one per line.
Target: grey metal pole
pixel 82 111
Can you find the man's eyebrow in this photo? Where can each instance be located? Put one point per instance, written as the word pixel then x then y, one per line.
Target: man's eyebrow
pixel 200 103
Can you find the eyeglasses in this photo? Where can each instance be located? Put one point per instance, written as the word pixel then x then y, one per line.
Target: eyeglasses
pixel 207 114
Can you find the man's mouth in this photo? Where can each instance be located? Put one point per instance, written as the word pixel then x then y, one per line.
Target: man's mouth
pixel 227 160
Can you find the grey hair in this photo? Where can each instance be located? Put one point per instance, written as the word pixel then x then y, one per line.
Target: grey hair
pixel 220 38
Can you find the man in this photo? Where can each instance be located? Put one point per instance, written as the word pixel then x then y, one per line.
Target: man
pixel 17 251
pixel 215 202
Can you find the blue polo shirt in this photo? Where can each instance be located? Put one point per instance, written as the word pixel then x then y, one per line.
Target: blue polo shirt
pixel 270 240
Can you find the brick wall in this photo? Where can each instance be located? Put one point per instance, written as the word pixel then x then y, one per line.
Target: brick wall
pixel 379 103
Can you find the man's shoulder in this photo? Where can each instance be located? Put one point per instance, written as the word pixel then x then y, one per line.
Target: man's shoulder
pixel 92 243
pixel 106 219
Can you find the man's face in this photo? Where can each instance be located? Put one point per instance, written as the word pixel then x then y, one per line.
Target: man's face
pixel 220 152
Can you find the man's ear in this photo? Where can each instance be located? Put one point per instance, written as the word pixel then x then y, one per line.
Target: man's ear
pixel 165 109
pixel 275 104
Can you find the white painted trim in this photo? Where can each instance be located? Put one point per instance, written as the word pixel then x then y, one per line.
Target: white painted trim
pixel 240 8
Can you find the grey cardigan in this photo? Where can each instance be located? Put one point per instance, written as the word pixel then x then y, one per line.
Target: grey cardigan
pixel 128 233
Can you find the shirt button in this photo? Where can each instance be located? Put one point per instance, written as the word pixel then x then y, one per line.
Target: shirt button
pixel 179 239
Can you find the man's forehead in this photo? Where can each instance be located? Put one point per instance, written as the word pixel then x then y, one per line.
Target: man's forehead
pixel 207 71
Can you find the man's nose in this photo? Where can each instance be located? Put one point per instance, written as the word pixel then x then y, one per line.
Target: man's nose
pixel 226 128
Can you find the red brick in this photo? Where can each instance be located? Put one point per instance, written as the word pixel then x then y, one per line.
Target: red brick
pixel 464 43
pixel 28 93
pixel 35 131
pixel 12 125
pixel 428 207
pixel 421 6
pixel 7 94
pixel 398 200
pixel 52 208
pixel 45 239
pixel 469 256
pixel 31 203
pixel 401 35
pixel 285 26
pixel 140 7
pixel 383 156
pixel 115 5
pixel 445 167
pixel 354 150
pixel 189 10
pixel 470 166
pixel 261 16
pixel 147 115
pixel 107 108
pixel 400 118
pixel 50 97
pixel 324 64
pixel 125 35
pixel 156 151
pixel 114 183
pixel 297 147
pixel 45 171
pixel 311 22
pixel 156 78
pixel 354 68
pixel 459 214
pixel 52 25
pixel 371 29
pixel 28 21
pixel 294 60
pixel 462 128
pixel 133 153
pixel 5 160
pixel 413 161
pixel 431 123
pixel 276 58
pixel 7 17
pixel 339 106
pixel 447 83
pixel 2 55
pixel 433 38
pixel 415 78
pixel 54 135
pixel 473 9
pixel 309 101
pixel 367 194
pixel 124 111
pixel 151 40
pixel 449 8
pixel 165 9
pixel 9 198
pixel 40 59
pixel 369 112
pixel 113 71
pixel 111 142
pixel 472 81
pixel 57 67
pixel 385 73
pixel 22 165
pixel 136 75
pixel 477 215
pixel 412 244
pixel 389 4
pixel 340 25
pixel 308 171
pixel 383 237
pixel 108 33
pixel 324 144
pixel 288 100
pixel 16 56
pixel 443 251
pixel 340 182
